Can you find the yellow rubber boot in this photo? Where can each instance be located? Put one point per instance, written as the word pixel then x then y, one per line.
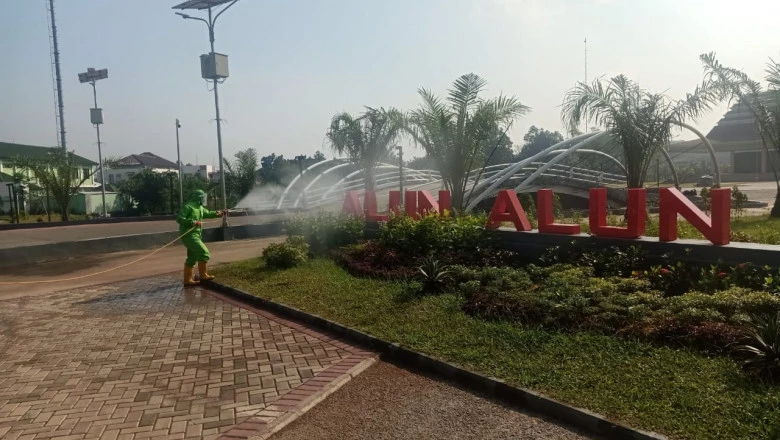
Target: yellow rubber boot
pixel 203 271
pixel 188 280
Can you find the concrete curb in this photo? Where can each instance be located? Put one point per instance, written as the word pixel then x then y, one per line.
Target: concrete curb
pixel 331 388
pixel 492 387
pixel 12 257
pixel 115 220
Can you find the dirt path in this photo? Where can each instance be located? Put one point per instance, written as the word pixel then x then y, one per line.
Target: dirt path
pixel 386 402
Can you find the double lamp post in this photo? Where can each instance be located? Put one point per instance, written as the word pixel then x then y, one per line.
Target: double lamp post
pixel 214 67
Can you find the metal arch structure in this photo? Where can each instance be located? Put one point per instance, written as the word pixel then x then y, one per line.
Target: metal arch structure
pixel 503 176
pixel 541 169
pixel 309 169
pixel 324 193
pixel 706 142
pixel 594 152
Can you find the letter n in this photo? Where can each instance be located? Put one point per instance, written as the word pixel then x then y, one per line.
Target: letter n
pixel 717 228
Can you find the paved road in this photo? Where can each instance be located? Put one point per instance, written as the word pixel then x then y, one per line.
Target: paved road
pixel 147 358
pixel 57 234
pixel 386 403
pixel 126 356
pixel 167 261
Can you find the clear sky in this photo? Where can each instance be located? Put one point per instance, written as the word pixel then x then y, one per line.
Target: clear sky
pixel 294 63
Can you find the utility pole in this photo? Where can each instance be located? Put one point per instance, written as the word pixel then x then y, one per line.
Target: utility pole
pixel 178 155
pixel 170 189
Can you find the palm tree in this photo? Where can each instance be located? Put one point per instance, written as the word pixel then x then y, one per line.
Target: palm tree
pixel 763 103
pixel 640 121
pixel 367 139
pixel 453 132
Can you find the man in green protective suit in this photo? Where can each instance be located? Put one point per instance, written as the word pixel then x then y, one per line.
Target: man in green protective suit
pixel 190 217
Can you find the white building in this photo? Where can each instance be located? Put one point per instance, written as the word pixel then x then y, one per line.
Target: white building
pixel 129 166
pixel 204 171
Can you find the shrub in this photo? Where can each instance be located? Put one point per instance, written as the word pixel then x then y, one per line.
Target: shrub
pixel 566 297
pixel 325 231
pixel 610 261
pixel 433 275
pixel 435 234
pixel 761 346
pixel 291 253
pixel 374 261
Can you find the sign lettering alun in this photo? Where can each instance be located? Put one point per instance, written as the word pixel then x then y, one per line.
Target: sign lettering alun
pixel 672 203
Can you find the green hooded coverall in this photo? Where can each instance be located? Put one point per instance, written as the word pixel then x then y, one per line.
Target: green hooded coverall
pixel 194 211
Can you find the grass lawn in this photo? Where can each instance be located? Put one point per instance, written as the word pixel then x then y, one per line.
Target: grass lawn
pixel 678 392
pixel 748 228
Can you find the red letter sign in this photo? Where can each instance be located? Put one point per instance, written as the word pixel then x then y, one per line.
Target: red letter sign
pixel 369 207
pixel 395 202
pixel 544 204
pixel 351 204
pixel 426 204
pixel 635 213
pixel 445 203
pixel 410 203
pixel 508 209
pixel 716 228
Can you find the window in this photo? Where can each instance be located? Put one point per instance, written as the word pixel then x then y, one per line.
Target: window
pixel 86 172
pixel 111 179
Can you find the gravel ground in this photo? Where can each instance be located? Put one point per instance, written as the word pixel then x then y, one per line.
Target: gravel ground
pixel 386 402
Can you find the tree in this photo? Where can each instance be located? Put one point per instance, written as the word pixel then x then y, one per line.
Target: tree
pixel 240 175
pixel 58 175
pixel 455 131
pixel 763 104
pixel 536 140
pixel 497 148
pixel 272 169
pixel 367 139
pixel 640 121
pixel 318 156
pixel 147 191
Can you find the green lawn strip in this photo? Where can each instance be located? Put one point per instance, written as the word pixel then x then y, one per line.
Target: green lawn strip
pixel 681 393
pixel 754 229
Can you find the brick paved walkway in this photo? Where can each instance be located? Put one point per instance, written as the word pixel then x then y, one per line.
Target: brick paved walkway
pixel 148 359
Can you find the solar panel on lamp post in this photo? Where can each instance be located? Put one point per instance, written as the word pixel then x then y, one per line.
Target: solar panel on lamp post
pixel 96 117
pixel 209 6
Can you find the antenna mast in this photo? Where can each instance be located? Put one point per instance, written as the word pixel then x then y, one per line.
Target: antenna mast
pixel 586 60
pixel 55 53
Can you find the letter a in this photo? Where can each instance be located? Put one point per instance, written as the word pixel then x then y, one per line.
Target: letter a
pixel 351 204
pixel 507 208
pixel 369 207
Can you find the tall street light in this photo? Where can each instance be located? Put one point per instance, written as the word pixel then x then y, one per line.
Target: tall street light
pixel 178 156
pixel 214 67
pixel 96 116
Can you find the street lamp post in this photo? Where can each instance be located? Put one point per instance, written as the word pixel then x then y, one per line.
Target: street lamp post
pixel 300 160
pixel 214 63
pixel 96 117
pixel 401 172
pixel 178 156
